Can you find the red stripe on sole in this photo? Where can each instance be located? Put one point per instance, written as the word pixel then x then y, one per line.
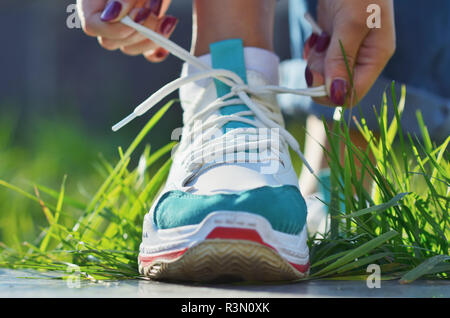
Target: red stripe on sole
pixel 146 260
pixel 301 268
pixel 232 233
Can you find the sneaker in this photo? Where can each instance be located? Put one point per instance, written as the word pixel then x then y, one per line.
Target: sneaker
pixel 231 209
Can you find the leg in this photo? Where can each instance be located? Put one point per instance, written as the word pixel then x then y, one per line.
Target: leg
pixel 315 137
pixel 358 141
pixel 250 20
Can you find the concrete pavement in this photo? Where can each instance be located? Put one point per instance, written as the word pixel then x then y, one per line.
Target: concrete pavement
pixel 13 284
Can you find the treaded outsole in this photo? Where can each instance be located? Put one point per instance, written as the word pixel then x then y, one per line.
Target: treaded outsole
pixel 222 260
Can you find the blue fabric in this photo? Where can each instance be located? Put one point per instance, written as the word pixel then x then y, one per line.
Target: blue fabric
pixel 421 61
pixel 229 55
pixel 283 206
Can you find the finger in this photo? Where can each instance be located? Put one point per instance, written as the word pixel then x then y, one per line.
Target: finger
pixel 91 13
pixel 167 25
pixel 166 28
pixel 97 15
pixel 88 8
pixel 94 26
pixel 115 10
pixel 139 48
pixel 317 52
pixel 378 47
pixel 372 58
pixel 164 6
pixel 309 44
pixel 314 79
pixel 158 55
pixel 158 7
pixel 111 44
pixel 337 78
pixel 150 21
pixel 316 63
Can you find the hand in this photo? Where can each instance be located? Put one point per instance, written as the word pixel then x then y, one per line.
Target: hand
pixel 100 18
pixel 367 50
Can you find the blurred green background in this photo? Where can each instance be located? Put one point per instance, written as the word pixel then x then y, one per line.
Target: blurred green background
pixel 60 93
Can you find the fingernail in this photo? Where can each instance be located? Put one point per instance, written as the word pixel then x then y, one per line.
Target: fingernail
pixel 142 15
pixel 309 76
pixel 161 53
pixel 313 40
pixel 322 42
pixel 155 6
pixel 168 25
pixel 338 91
pixel 111 11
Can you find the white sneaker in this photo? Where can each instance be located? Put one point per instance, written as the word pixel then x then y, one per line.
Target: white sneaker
pixel 231 208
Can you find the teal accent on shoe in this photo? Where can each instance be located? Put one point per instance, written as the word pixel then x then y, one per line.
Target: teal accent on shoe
pixel 283 206
pixel 229 55
pixel 325 186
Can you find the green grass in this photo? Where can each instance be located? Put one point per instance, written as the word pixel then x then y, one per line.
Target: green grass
pixel 402 225
pixel 43 151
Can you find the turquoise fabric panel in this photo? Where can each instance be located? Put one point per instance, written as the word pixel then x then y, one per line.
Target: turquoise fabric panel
pixel 283 206
pixel 229 55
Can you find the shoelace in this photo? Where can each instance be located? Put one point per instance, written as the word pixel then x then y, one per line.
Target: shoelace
pixel 239 90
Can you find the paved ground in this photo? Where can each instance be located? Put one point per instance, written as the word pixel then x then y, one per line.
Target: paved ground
pixel 12 284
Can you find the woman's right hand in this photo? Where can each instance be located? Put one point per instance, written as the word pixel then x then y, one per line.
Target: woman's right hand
pixel 101 19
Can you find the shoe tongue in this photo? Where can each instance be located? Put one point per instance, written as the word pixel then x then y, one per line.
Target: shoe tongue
pixel 229 55
pixel 254 65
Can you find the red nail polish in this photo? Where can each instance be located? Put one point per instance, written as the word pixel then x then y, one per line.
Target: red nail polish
pixel 309 77
pixel 167 25
pixel 142 15
pixel 161 53
pixel 313 40
pixel 155 6
pixel 338 91
pixel 322 42
pixel 111 11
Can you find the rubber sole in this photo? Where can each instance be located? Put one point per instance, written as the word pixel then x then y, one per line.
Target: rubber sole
pixel 222 260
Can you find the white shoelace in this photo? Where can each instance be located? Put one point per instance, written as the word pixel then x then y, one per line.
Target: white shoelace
pixel 239 90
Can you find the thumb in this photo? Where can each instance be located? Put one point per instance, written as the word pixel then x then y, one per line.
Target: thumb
pixel 337 78
pixel 115 10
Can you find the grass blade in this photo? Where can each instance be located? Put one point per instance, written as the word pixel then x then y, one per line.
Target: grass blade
pixel 423 269
pixel 357 252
